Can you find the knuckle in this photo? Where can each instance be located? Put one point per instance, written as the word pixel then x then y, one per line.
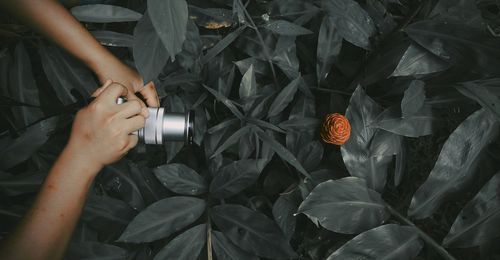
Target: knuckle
pixel 136 105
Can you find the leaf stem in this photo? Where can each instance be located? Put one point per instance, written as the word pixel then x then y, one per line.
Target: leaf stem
pixel 264 46
pixel 209 238
pixel 429 240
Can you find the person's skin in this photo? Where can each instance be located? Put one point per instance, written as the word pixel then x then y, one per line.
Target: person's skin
pixel 51 19
pixel 99 136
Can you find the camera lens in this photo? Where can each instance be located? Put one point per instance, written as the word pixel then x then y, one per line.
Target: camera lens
pixel 164 127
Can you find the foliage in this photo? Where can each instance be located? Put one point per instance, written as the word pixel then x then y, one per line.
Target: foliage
pixel 258 182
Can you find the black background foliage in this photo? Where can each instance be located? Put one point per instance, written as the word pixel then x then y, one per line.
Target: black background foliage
pixel 418 81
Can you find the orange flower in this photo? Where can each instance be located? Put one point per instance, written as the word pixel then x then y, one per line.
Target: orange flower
pixel 336 129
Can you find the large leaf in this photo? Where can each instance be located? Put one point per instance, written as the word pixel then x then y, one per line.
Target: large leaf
pixel 14 151
pixel 478 221
pixel 150 56
pixel 413 99
pixel 186 246
pixel 252 231
pixel 117 178
pixel 361 112
pixel 113 39
pixel 163 218
pixel 456 163
pixel 13 185
pixel 345 206
pixel 284 98
pixel 310 155
pixel 65 73
pixel 283 212
pixel 233 139
pixel 99 13
pixel 282 151
pixel 329 46
pixel 353 22
pixel 228 103
pixel 284 27
pixel 169 19
pixel 106 214
pixel 95 250
pixel 386 242
pixel 418 61
pixel 181 179
pixel 458 44
pixel 285 56
pixel 225 250
pixel 235 177
pixel 222 44
pixel 420 123
pixel 480 93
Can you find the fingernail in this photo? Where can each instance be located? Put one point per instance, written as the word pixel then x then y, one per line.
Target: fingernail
pixel 145 112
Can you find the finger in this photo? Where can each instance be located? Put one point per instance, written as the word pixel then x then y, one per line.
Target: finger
pixel 133 140
pixel 99 90
pixel 130 109
pixel 113 92
pixel 134 123
pixel 150 95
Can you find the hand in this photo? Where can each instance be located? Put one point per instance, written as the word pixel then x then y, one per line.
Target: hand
pixel 101 131
pixel 121 73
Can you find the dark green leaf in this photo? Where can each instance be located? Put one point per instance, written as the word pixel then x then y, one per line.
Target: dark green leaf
pixel 222 44
pixel 419 124
pixel 186 246
pixel 283 212
pixel 100 13
pixel 385 143
pixel 481 95
pixel 225 250
pixel 13 185
pixel 15 151
pixel 163 218
pixel 150 56
pixel 228 103
pixel 283 27
pixel 252 231
pixel 284 98
pixel 181 179
pixel 361 112
pixel 247 145
pixel 329 46
pixel 456 163
pixel 235 177
pixel 345 206
pixel 477 222
pixel 117 177
pixel 106 214
pixel 248 86
pixel 354 24
pixel 233 139
pixel 386 242
pixel 311 155
pixel 222 125
pixel 282 152
pixel 169 19
pixel 114 39
pixel 418 61
pixel 285 56
pixel 400 167
pixel 300 124
pixel 413 99
pixel 95 250
pixel 264 124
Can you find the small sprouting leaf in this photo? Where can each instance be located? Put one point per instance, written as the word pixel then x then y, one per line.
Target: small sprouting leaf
pixel 420 123
pixel 284 97
pixel 418 61
pixel 150 56
pixel 476 222
pixel 181 179
pixel 361 112
pixel 329 46
pixel 222 44
pixel 282 151
pixel 390 241
pixel 345 206
pixel 100 13
pixel 353 22
pixel 456 163
pixel 413 99
pixel 225 250
pixel 163 218
pixel 283 212
pixel 248 86
pixel 283 27
pixel 478 92
pixel 15 151
pixel 169 19
pixel 113 39
pixel 186 246
pixel 235 177
pixel 252 231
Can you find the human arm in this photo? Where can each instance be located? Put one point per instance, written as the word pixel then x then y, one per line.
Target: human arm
pixel 100 136
pixel 51 19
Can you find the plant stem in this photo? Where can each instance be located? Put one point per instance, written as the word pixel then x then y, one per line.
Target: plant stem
pixel 429 240
pixel 209 238
pixel 264 46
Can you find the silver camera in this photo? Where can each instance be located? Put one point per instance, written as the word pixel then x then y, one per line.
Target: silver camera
pixel 164 127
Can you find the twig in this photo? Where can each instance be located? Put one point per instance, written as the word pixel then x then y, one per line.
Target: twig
pixel 429 240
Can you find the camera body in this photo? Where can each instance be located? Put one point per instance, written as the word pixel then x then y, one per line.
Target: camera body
pixel 164 127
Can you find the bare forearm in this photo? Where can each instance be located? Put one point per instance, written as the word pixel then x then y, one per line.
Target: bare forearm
pixel 47 227
pixel 51 19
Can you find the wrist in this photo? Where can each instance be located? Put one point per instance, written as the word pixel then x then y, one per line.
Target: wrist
pixel 80 161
